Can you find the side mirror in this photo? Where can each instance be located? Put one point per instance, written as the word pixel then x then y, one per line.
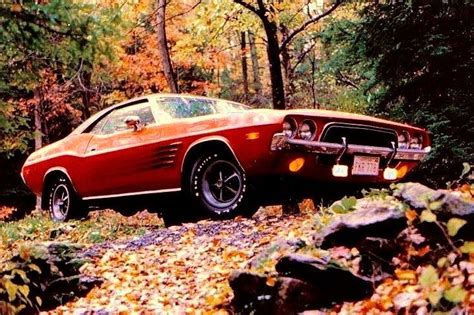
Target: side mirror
pixel 133 122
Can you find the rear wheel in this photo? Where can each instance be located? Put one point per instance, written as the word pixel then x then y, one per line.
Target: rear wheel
pixel 219 186
pixel 63 203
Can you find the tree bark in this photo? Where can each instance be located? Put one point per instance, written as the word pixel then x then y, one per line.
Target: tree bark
pixel 243 53
pixel 313 81
pixel 163 47
pixel 257 83
pixel 288 70
pixel 273 53
pixel 86 94
pixel 38 130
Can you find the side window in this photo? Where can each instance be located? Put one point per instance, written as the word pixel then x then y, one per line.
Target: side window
pixel 173 106
pixel 200 107
pixel 115 121
pixel 178 107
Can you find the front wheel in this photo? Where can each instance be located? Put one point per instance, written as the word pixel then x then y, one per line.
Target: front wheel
pixel 63 203
pixel 219 186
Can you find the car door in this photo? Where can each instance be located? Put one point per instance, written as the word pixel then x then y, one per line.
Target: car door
pixel 119 160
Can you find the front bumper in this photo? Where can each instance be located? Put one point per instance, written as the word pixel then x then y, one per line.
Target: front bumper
pixel 280 143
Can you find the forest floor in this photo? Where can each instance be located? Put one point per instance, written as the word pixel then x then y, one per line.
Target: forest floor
pixel 147 267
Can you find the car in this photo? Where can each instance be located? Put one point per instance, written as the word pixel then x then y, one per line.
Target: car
pixel 214 156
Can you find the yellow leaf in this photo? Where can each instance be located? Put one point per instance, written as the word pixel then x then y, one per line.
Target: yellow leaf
pixel 467 247
pixel 405 274
pixel 454 224
pixel 35 268
pixel 427 216
pixel 25 290
pixel 11 290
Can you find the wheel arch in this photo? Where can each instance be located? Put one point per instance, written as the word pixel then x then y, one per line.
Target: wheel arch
pixel 199 147
pixel 48 178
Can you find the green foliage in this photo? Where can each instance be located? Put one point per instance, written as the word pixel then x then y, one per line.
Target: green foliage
pixel 455 294
pixel 345 205
pixel 429 277
pixel 413 62
pixel 52 45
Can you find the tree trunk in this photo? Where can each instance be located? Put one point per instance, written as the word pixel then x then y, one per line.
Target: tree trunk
pixel 163 47
pixel 86 94
pixel 313 81
pixel 243 53
pixel 257 83
pixel 273 53
pixel 288 71
pixel 38 130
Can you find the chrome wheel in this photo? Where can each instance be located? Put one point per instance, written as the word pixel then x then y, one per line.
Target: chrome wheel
pixel 60 202
pixel 63 203
pixel 219 186
pixel 222 183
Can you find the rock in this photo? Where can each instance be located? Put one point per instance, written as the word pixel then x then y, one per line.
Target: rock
pixel 282 246
pixel 333 283
pixel 251 292
pixel 293 296
pixel 420 197
pixel 372 218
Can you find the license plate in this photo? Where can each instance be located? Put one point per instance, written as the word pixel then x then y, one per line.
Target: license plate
pixel 366 165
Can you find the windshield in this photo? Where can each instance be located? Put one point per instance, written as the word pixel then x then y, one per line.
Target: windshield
pixel 187 107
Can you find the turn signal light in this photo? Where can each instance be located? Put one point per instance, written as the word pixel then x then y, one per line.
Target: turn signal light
pixel 340 170
pixel 402 171
pixel 390 173
pixel 296 165
pixel 253 135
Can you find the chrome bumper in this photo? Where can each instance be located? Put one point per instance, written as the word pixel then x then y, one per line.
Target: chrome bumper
pixel 280 142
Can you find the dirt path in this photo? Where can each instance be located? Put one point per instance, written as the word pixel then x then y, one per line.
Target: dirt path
pixel 179 269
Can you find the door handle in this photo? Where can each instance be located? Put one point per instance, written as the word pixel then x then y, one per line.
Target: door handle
pixel 92 149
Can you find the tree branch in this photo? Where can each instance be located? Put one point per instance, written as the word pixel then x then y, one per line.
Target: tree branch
pixel 345 80
pixel 248 6
pixel 295 32
pixel 301 56
pixel 190 8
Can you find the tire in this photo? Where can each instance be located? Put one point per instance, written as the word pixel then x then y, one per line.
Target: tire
pixel 218 185
pixel 63 203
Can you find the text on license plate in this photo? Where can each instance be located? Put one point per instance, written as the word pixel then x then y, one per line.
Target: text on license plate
pixel 366 165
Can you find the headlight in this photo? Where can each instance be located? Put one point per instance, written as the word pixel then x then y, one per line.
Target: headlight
pixel 289 127
pixel 416 142
pixel 403 140
pixel 307 130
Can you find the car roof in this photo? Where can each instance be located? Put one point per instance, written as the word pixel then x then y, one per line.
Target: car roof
pixel 86 124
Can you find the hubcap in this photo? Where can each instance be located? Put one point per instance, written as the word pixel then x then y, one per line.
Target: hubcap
pixel 221 184
pixel 60 201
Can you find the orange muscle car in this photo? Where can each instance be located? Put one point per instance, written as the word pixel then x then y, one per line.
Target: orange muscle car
pixel 215 155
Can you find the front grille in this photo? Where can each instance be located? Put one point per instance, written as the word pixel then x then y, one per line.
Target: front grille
pixel 359 134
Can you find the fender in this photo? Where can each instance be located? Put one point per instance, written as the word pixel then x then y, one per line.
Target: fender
pixel 208 139
pixel 62 170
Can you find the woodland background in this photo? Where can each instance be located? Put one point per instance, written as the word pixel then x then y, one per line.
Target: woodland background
pixel 410 61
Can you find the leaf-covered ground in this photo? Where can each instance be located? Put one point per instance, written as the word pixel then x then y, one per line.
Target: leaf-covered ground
pixel 147 267
pixel 183 268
